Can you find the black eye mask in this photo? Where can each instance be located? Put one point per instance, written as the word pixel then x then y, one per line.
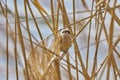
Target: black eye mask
pixel 66 31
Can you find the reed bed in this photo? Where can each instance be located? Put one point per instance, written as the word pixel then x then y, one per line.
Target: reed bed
pixel 95 51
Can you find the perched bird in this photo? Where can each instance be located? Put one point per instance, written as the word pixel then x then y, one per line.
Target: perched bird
pixel 65 40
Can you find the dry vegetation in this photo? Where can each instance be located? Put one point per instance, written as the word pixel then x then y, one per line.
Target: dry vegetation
pixel 42 60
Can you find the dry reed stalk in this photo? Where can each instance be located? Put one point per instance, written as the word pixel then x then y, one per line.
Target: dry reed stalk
pixel 21 37
pixel 7 44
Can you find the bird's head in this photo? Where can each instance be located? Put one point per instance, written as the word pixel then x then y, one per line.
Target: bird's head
pixel 65 31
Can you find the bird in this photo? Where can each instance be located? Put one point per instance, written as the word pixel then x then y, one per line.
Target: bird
pixel 65 40
pixel 62 43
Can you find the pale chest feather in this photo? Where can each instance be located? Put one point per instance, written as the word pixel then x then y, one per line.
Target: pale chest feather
pixel 65 42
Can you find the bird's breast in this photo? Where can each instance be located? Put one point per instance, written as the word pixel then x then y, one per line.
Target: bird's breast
pixel 65 43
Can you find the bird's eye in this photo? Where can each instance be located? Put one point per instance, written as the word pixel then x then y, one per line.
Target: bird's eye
pixel 63 32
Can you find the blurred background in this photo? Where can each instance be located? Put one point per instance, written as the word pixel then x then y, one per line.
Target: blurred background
pixel 95 26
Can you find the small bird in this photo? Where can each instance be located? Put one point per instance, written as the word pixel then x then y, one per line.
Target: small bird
pixel 65 40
